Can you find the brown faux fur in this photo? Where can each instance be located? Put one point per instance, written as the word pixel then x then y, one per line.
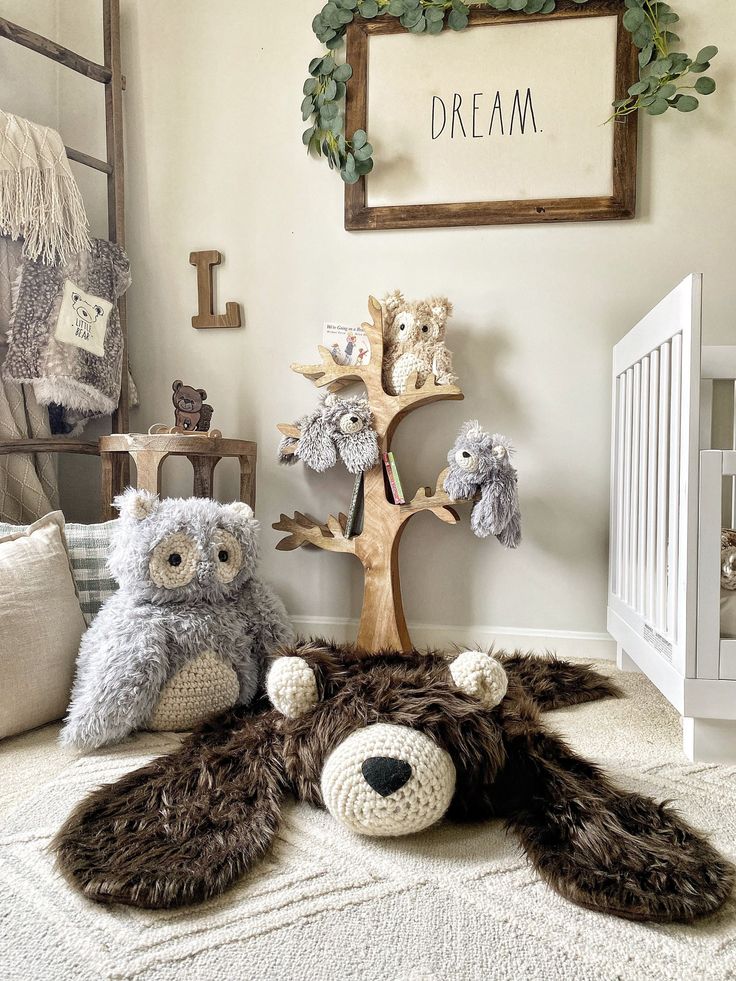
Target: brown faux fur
pixel 186 826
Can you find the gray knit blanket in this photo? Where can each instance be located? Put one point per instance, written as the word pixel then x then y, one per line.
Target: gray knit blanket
pixel 65 337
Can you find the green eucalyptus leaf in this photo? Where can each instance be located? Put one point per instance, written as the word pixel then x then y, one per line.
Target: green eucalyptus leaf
pixel 634 18
pixel 457 21
pixel 686 103
pixel 342 73
pixel 360 138
pixel 658 107
pixel 705 85
pixel 369 9
pixel 314 66
pixel 707 54
pixel 309 86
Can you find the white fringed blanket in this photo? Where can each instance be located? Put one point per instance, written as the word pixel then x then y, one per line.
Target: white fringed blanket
pixel 39 197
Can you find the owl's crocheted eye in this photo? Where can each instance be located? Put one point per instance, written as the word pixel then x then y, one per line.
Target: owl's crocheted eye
pixel 425 329
pixel 229 556
pixel 350 424
pixel 173 561
pixel 466 461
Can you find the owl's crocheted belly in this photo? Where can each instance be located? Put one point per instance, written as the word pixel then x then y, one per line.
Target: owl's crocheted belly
pixel 406 365
pixel 203 687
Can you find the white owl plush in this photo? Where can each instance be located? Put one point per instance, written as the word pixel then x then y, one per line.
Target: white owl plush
pixel 414 341
pixel 188 631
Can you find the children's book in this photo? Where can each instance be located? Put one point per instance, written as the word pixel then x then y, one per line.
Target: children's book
pixel 391 474
pixel 397 481
pixel 354 523
pixel 347 345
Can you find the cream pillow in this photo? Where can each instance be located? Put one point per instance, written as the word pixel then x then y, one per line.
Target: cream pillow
pixel 41 625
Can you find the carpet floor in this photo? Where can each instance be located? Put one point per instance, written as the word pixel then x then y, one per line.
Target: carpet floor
pixel 451 904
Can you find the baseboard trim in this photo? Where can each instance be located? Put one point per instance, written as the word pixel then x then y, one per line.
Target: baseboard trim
pixel 566 643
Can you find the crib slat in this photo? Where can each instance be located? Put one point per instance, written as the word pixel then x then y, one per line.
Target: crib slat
pixel 634 524
pixel 652 481
pixel 618 541
pixel 662 486
pixel 626 526
pixel 644 487
pixel 673 552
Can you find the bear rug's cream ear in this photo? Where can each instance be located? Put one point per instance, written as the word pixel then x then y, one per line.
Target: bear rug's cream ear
pixel 480 675
pixel 291 686
pixel 136 504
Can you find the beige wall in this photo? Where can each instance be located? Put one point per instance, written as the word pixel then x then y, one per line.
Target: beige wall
pixel 214 161
pixel 28 83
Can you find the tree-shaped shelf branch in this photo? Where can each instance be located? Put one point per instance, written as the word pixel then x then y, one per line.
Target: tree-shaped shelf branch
pixel 382 622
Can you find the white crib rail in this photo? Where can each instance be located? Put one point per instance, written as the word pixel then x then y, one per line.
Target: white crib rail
pixel 654 477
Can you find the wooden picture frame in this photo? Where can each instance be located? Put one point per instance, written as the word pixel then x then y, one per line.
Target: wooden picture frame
pixel 620 204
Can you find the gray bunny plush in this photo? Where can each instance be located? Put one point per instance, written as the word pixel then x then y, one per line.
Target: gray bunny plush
pixel 480 462
pixel 190 628
pixel 336 426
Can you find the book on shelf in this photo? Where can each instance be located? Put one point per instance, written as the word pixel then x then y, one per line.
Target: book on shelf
pixel 347 345
pixel 392 478
pixel 354 524
pixel 397 479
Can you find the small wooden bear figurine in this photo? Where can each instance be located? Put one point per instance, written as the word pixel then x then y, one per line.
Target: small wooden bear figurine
pixel 191 412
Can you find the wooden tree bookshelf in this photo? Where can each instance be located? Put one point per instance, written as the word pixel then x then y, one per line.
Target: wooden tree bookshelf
pixel 382 621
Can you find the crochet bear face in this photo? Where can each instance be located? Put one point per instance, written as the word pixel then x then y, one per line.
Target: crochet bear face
pixel 403 767
pixel 174 551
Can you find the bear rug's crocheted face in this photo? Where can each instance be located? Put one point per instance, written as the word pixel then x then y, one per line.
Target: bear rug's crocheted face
pixel 390 743
pixel 366 739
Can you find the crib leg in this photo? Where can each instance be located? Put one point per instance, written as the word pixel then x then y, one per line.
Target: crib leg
pixel 709 740
pixel 623 661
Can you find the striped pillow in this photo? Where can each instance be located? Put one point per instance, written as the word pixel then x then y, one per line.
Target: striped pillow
pixel 88 547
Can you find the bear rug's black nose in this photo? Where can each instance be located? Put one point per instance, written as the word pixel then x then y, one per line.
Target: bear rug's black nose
pixel 385 775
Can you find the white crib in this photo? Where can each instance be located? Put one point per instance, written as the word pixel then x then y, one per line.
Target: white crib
pixel 667 506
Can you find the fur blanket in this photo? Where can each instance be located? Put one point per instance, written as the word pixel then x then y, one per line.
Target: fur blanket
pixel 65 336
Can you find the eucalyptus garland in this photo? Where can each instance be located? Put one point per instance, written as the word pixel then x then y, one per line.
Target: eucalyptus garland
pixel 659 88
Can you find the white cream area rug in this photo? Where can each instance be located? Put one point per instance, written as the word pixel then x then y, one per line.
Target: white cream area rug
pixel 451 904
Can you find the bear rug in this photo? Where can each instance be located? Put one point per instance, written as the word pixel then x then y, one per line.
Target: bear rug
pixel 454 903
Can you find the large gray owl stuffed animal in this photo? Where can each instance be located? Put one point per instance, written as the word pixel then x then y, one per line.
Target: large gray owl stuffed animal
pixel 189 629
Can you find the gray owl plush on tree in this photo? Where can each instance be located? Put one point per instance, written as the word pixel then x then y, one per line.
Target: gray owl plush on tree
pixel 188 631
pixel 336 426
pixel 481 463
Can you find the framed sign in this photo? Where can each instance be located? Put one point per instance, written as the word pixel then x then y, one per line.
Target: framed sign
pixel 502 123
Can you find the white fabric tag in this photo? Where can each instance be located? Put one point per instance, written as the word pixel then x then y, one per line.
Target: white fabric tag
pixel 83 319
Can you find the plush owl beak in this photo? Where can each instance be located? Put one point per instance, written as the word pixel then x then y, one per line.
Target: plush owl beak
pixel 292 686
pixel 480 675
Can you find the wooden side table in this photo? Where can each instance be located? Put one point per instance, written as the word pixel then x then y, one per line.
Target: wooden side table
pixel 149 452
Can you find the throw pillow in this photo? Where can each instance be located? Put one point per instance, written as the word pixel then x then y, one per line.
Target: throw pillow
pixel 41 625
